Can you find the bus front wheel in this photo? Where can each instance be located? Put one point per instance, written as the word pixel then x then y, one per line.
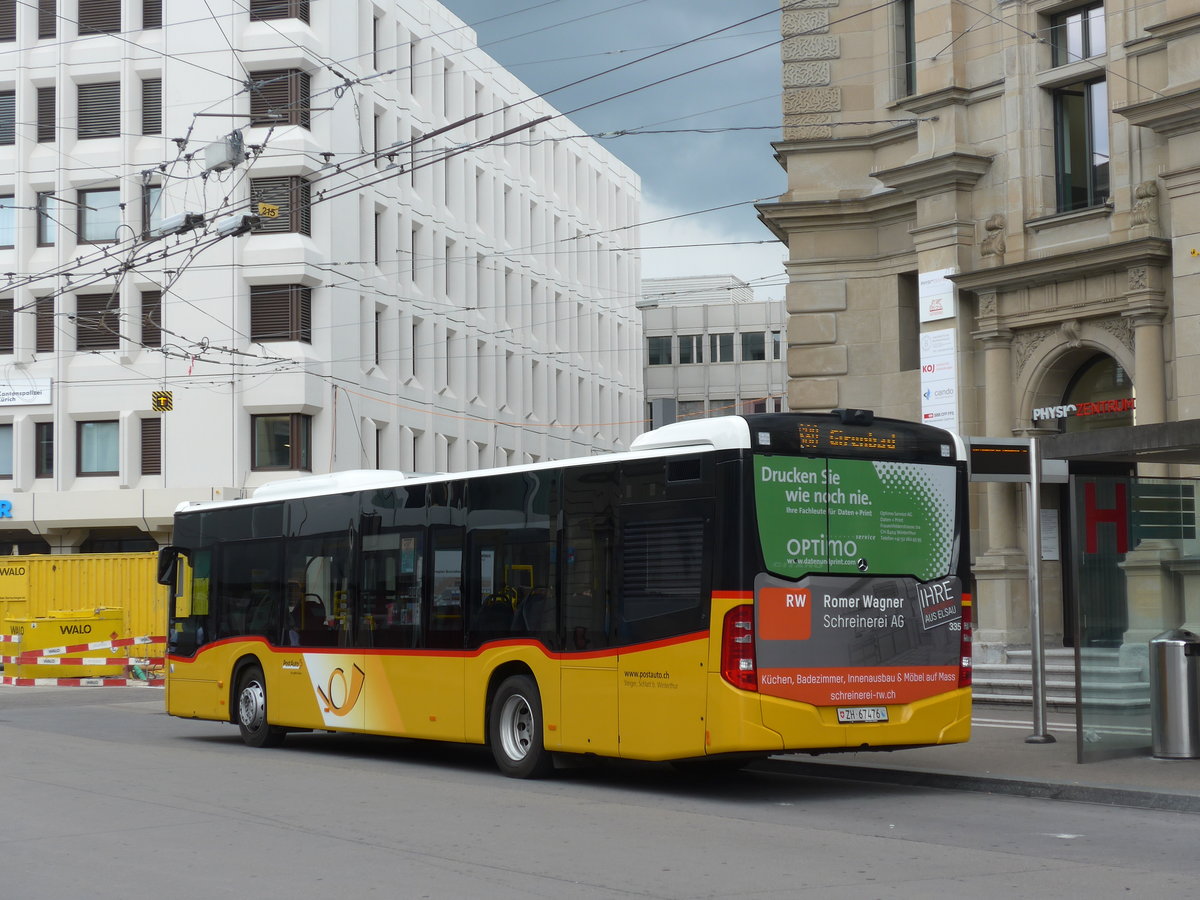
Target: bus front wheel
pixel 252 711
pixel 515 729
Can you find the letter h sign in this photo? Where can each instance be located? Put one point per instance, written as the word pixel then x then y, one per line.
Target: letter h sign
pixel 1094 516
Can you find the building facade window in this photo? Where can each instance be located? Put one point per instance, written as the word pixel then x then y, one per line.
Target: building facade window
pixel 99 16
pixel 47 105
pixel 658 351
pixel 776 345
pixel 281 442
pixel 99 216
pixel 97 317
pixel 151 106
pixel 279 97
pixel 765 405
pixel 6 450
pixel 281 313
pixel 151 446
pixel 906 49
pixel 1081 145
pixel 47 218
pixel 47 11
pixel 43 449
pixel 289 197
pixel 99 110
pixel 151 208
pixel 151 318
pixel 8 117
pixel 691 349
pixel 1078 34
pixel 151 13
pixel 754 346
pixel 720 347
pixel 8 20
pixel 7 332
pixel 97 448
pixel 43 314
pixel 8 220
pixel 264 10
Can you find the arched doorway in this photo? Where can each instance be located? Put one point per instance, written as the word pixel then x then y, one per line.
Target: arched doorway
pixel 1099 395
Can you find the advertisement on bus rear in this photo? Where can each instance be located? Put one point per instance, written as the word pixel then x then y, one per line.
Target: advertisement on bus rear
pixel 834 641
pixel 891 633
pixel 854 515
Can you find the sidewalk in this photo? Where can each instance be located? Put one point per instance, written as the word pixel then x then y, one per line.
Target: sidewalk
pixel 997 760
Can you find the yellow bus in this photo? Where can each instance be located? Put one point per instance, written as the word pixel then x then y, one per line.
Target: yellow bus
pixel 728 588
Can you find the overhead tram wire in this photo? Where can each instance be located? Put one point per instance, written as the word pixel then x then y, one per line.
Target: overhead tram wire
pixel 474 145
pixel 371 157
pixel 479 143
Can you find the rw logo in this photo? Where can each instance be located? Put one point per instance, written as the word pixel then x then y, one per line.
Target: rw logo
pixel 785 614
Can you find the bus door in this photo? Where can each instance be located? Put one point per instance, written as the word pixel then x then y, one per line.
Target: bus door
pixel 588 669
pixel 320 624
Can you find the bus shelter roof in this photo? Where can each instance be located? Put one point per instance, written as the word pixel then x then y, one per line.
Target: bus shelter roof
pixel 1164 442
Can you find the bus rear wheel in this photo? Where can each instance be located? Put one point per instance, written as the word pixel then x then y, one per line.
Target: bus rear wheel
pixel 252 711
pixel 515 729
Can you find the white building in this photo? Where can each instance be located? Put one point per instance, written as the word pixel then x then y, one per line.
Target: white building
pixel 440 279
pixel 712 348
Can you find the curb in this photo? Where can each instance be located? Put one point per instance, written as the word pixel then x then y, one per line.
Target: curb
pixel 988 784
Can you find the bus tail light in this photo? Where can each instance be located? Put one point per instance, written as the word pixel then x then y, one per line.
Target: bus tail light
pixel 964 651
pixel 738 664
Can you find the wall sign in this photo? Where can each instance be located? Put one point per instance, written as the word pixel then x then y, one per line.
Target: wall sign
pixel 939 378
pixel 25 392
pixel 936 295
pixel 1086 408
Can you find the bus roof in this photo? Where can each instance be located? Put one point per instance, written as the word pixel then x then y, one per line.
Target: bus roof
pixel 726 432
pixel 717 433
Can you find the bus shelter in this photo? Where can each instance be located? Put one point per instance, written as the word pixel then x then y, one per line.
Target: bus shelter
pixel 1132 562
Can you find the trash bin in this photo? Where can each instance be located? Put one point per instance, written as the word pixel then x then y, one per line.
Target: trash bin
pixel 1175 694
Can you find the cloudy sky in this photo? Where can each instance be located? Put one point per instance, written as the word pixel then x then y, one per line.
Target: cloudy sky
pixel 715 126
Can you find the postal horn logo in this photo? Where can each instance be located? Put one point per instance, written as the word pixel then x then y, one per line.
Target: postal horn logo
pixel 338 697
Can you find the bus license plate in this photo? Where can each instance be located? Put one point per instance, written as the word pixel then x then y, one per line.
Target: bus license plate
pixel 862 714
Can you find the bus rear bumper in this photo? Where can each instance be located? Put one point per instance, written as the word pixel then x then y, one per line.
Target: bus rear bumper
pixel 754 723
pixel 942 719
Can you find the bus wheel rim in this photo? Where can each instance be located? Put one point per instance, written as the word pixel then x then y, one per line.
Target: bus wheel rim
pixel 252 706
pixel 516 727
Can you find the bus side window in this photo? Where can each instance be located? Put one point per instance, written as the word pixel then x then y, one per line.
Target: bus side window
pixel 446 612
pixel 664 574
pixel 392 586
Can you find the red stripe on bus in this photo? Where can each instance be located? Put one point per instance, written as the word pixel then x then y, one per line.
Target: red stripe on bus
pixel 612 652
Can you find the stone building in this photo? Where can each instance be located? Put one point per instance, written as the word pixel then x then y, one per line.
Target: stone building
pixel 992 215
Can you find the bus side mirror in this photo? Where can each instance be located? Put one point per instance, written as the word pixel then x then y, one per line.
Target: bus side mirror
pixel 168 564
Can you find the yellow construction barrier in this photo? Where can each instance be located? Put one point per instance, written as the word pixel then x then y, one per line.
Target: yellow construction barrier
pixel 100 605
pixel 62 629
pixel 34 586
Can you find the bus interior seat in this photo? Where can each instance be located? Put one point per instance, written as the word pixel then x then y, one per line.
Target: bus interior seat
pixel 495 613
pixel 533 612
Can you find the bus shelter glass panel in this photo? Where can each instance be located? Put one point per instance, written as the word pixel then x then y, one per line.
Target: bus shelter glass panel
pixel 1137 574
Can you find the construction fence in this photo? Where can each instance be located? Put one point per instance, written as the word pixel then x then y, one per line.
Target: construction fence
pixel 89 619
